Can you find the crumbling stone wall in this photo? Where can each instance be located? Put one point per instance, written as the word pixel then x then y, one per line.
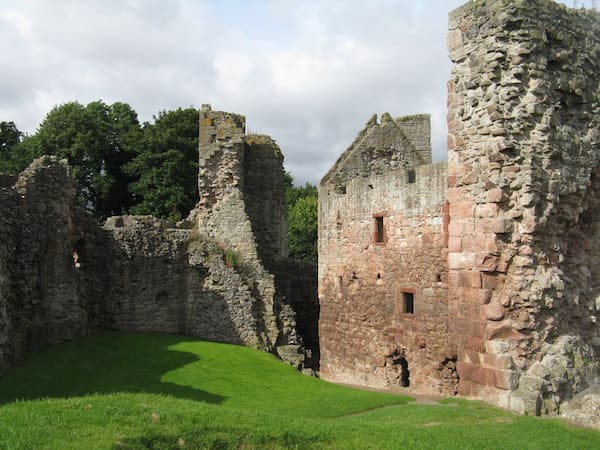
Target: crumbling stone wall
pixel 418 128
pixel 379 148
pixel 297 283
pixel 63 276
pixel 524 155
pixel 43 298
pixel 171 280
pixel 264 196
pixel 382 267
pixel 234 215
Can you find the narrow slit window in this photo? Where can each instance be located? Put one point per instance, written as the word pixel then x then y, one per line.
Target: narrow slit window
pixel 379 229
pixel 409 302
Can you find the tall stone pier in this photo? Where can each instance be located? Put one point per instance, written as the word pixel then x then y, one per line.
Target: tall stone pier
pixel 524 193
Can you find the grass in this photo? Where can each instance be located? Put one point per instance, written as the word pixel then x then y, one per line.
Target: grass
pixel 136 391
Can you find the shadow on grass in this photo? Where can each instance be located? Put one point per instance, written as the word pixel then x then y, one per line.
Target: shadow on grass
pixel 100 364
pixel 222 438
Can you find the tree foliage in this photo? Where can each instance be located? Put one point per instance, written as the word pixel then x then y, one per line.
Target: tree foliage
pixel 302 205
pixel 97 140
pixel 10 156
pixel 118 165
pixel 165 167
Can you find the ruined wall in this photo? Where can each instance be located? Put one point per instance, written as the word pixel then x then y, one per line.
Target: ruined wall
pixel 418 130
pixel 43 298
pixel 369 333
pixel 379 148
pixel 297 283
pixel 231 212
pixel 9 202
pixel 171 280
pixel 264 196
pixel 524 154
pixel 63 276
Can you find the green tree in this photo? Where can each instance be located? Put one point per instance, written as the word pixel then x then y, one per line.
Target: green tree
pixel 165 167
pixel 302 206
pixel 302 231
pixel 97 140
pixel 10 153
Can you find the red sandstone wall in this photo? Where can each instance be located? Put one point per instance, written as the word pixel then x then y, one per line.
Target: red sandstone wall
pixel 363 328
pixel 523 148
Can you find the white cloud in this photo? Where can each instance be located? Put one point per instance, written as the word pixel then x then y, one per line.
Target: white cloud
pixel 309 73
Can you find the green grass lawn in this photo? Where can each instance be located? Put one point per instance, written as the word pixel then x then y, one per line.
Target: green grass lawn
pixel 137 391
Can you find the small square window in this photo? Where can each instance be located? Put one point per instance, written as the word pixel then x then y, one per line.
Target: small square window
pixel 412 177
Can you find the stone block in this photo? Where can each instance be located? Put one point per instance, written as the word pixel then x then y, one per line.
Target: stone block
pixel 486 262
pixel 469 279
pixel 496 361
pixel 486 210
pixel 461 260
pixel 494 311
pixel 503 225
pixel 489 280
pixel 493 195
pixel 455 40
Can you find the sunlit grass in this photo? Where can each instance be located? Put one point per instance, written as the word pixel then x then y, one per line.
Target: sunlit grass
pixel 118 390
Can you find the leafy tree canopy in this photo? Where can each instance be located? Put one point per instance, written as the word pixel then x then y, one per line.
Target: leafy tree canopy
pixel 10 139
pixel 96 139
pixel 302 206
pixel 165 167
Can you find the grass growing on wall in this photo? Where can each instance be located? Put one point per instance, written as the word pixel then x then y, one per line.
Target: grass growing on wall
pixel 137 391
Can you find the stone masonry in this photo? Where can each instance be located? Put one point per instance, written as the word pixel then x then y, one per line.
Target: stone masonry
pixel 222 274
pixel 382 262
pixel 523 164
pixel 482 278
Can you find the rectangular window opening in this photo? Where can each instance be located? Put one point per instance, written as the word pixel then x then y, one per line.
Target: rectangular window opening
pixel 379 230
pixel 412 177
pixel 409 302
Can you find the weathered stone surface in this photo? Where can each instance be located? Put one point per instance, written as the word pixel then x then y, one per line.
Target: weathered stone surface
pixel 63 276
pixel 584 408
pixel 524 120
pixel 520 243
pixel 382 275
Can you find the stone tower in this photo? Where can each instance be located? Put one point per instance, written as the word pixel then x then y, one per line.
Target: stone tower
pixel 524 190
pixel 241 187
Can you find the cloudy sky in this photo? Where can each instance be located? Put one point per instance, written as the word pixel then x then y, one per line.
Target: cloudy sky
pixel 309 73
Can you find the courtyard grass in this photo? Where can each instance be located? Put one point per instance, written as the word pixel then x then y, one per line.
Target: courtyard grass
pixel 138 391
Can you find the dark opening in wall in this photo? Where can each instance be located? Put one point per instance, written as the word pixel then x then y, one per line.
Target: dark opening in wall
pixel 412 177
pixel 397 369
pixel 340 189
pixel 379 229
pixel 409 302
pixel 78 253
pixel 405 373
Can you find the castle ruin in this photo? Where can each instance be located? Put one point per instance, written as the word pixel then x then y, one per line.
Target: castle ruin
pixel 221 275
pixel 480 276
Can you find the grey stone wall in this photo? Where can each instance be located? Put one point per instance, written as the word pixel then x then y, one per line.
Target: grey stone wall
pixel 43 298
pixel 247 215
pixel 417 128
pixel 63 276
pixel 378 148
pixel 171 280
pixel 264 194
